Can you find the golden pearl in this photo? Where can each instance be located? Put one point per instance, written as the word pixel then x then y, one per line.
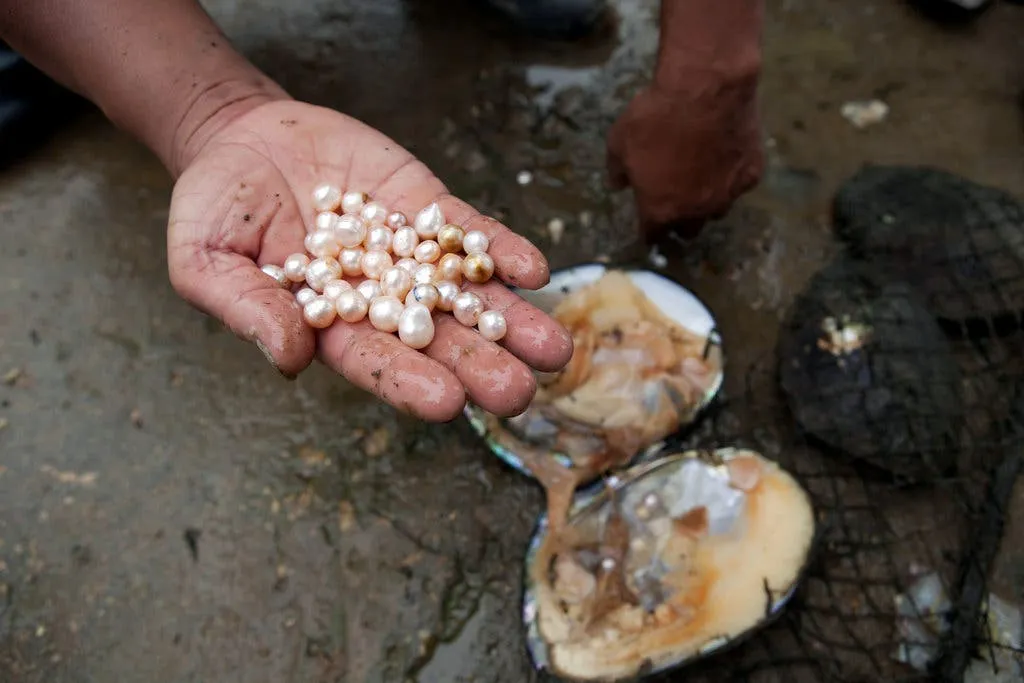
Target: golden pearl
pixel 478 267
pixel 450 238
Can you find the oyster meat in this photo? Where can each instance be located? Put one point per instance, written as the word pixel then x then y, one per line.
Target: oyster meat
pixel 680 557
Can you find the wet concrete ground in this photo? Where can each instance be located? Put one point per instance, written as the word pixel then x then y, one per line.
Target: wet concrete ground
pixel 172 510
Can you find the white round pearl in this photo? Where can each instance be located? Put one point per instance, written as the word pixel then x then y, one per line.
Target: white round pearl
pixel 325 220
pixel 427 251
pixel 416 326
pixel 375 262
pixel 491 325
pixel 450 238
pixel 350 231
pixel 374 213
pixel 467 308
pixel 334 289
pixel 478 267
pixel 326 197
pixel 295 267
pixel 379 237
pixel 425 273
pixel 475 242
pixel 424 294
pixel 428 221
pixel 447 293
pixel 352 306
pixel 304 296
pixel 320 271
pixel 352 202
pixel 450 268
pixel 396 220
pixel 404 242
pixel 370 289
pixel 351 261
pixel 276 272
pixel 385 312
pixel 319 312
pixel 395 282
pixel 409 265
pixel 321 243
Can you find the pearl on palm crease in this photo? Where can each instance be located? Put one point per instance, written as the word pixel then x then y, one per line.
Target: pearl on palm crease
pixel 365 261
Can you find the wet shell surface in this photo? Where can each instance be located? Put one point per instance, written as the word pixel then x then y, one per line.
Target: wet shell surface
pixel 867 372
pixel 672 561
pixel 613 400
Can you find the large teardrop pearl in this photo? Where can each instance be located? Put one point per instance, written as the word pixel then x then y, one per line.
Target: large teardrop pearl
pixel 351 261
pixel 295 267
pixel 276 272
pixel 319 312
pixel 379 237
pixel 352 306
pixel 478 267
pixel 326 197
pixel 352 202
pixel 427 251
pixel 325 220
pixel 370 289
pixel 321 243
pixel 447 293
pixel 334 289
pixel 450 268
pixel 320 271
pixel 429 221
pixel 395 282
pixel 374 213
pixel 492 325
pixel 475 242
pixel 416 326
pixel 375 262
pixel 350 231
pixel 424 294
pixel 404 242
pixel 304 296
pixel 467 308
pixel 450 238
pixel 385 312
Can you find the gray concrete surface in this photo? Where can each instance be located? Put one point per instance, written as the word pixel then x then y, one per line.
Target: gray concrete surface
pixel 172 510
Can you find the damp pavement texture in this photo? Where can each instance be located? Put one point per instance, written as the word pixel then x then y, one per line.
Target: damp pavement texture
pixel 172 510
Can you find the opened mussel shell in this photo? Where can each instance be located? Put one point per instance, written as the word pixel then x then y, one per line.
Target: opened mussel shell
pixel 669 562
pixel 647 361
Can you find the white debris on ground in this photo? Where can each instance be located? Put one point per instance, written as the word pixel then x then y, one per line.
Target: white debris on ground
pixel 556 228
pixel 524 177
pixel 865 113
pixel 656 258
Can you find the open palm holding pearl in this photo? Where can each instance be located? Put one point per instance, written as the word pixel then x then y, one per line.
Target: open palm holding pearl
pixel 244 207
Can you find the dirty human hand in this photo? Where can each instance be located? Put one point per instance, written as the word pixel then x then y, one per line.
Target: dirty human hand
pixel 689 144
pixel 246 158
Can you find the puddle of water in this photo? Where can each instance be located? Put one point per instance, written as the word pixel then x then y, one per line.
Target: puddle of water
pixel 453 661
pixel 549 80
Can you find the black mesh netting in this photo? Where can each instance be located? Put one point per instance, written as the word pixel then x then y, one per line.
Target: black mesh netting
pixel 897 396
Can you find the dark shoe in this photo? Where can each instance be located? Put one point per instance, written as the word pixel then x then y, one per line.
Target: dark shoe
pixel 559 19
pixel 32 106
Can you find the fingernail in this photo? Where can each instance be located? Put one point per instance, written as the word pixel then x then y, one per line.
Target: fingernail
pixel 270 359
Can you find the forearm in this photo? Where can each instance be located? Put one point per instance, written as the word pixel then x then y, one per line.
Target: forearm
pixel 722 37
pixel 159 69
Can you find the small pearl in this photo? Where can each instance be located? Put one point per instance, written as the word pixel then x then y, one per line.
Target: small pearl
pixel 352 202
pixel 409 265
pixel 350 231
pixel 352 306
pixel 416 326
pixel 326 197
pixel 375 262
pixel 320 271
pixel 351 261
pixel 478 267
pixel 424 294
pixel 304 296
pixel 427 251
pixel 429 221
pixel 334 288
pixel 379 237
pixel 319 312
pixel 425 273
pixel 385 312
pixel 370 289
pixel 396 220
pixel 404 242
pixel 450 238
pixel 475 242
pixel 295 267
pixel 322 243
pixel 374 213
pixel 450 268
pixel 276 272
pixel 395 282
pixel 467 308
pixel 325 220
pixel 492 325
pixel 447 292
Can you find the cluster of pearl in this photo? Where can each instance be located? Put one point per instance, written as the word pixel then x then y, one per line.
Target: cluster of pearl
pixel 354 236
